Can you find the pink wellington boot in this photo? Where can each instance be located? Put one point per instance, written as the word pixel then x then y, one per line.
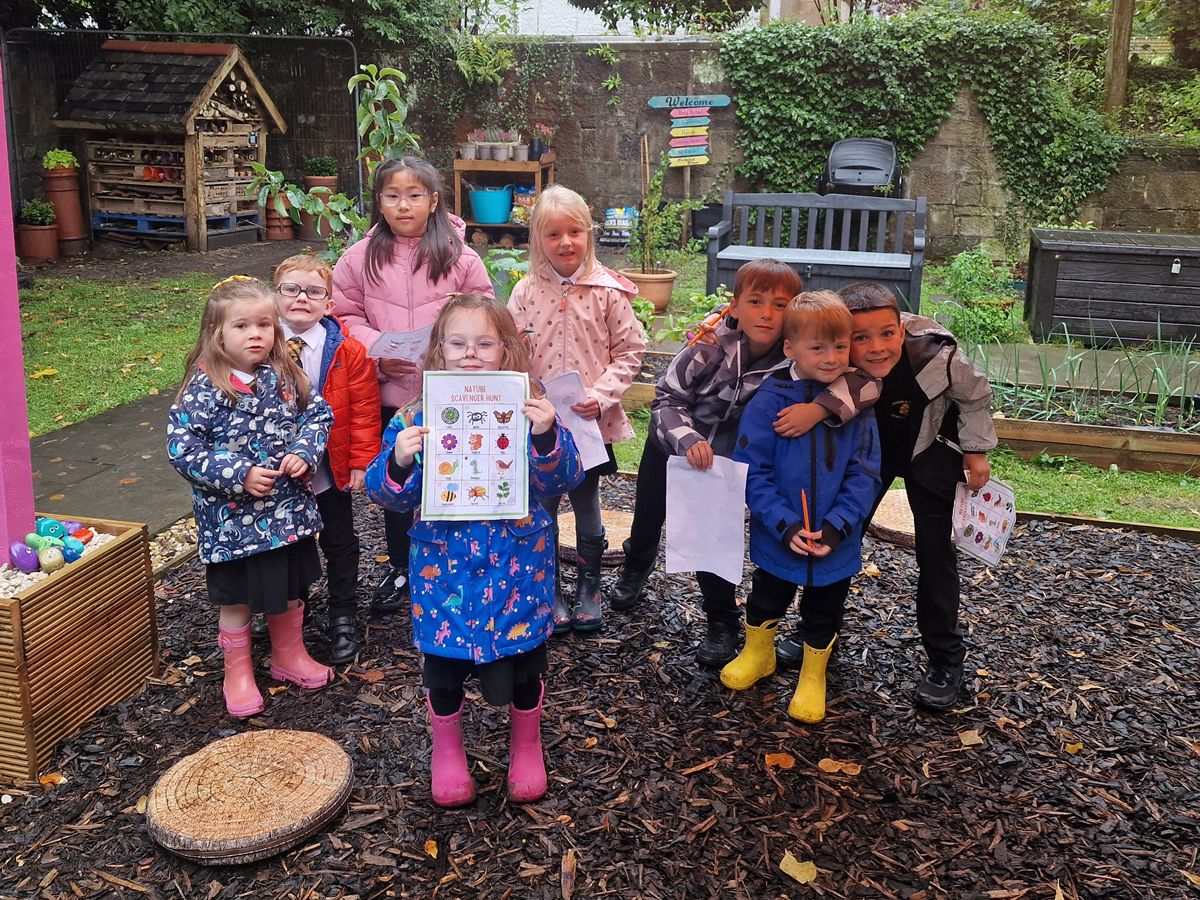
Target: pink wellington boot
pixel 452 784
pixel 289 660
pixel 242 697
pixel 526 763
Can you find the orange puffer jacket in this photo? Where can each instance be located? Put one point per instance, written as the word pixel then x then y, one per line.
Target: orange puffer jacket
pixel 350 386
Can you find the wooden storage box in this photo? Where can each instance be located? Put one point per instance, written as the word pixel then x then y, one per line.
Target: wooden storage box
pixel 1109 287
pixel 73 643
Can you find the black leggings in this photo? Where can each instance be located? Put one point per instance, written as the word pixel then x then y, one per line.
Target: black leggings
pixel 821 608
pixel 396 524
pixel 448 701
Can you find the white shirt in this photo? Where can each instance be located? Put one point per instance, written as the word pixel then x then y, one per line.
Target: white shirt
pixel 310 362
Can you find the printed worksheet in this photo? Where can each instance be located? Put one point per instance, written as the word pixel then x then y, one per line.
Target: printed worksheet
pixel 706 517
pixel 475 464
pixel 984 519
pixel 406 345
pixel 563 392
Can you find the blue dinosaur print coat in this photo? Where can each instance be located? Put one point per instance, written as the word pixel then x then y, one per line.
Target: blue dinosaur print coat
pixel 213 443
pixel 481 590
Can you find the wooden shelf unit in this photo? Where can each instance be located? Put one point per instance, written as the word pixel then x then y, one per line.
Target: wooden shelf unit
pixel 541 171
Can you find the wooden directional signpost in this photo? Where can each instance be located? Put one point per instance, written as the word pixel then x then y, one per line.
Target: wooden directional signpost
pixel 690 118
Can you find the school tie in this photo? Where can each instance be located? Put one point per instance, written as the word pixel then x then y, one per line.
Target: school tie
pixel 294 346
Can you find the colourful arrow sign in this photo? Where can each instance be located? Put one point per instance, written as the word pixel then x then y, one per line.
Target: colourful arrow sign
pixel 689 132
pixel 680 100
pixel 676 152
pixel 678 161
pixel 690 121
pixel 697 141
pixel 690 111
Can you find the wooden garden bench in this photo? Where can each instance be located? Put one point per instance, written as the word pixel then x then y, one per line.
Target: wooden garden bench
pixel 830 239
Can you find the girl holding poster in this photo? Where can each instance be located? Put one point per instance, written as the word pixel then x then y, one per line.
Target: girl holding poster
pixel 482 589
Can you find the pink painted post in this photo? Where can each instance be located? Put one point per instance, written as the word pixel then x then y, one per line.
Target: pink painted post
pixel 16 478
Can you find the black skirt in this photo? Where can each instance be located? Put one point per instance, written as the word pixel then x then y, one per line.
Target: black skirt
pixel 266 581
pixel 496 679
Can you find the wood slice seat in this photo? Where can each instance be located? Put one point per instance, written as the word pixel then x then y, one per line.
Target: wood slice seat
pixel 250 796
pixel 617 524
pixel 893 521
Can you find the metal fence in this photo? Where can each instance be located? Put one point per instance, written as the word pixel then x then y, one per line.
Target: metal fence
pixel 305 77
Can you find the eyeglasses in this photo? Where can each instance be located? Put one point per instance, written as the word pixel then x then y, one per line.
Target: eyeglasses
pixel 288 289
pixel 485 348
pixel 413 197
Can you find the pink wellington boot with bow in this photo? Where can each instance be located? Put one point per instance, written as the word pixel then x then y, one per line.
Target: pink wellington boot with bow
pixel 289 660
pixel 526 762
pixel 452 784
pixel 242 697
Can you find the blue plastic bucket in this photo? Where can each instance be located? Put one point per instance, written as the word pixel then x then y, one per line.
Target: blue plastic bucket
pixel 491 206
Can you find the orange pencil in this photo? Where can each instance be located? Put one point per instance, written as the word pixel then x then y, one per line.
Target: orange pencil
pixel 804 509
pixel 700 333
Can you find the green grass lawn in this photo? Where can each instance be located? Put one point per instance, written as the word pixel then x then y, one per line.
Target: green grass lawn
pixel 93 345
pixel 1053 485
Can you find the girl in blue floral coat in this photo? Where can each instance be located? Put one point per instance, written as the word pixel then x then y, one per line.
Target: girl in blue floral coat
pixel 247 431
pixel 482 591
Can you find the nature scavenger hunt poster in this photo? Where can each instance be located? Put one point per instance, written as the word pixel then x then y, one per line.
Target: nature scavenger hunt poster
pixel 475 452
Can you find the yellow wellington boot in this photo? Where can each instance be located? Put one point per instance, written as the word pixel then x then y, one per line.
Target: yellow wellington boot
pixel 808 703
pixel 757 659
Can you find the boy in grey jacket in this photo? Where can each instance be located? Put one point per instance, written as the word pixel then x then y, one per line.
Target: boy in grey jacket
pixel 935 429
pixel 697 405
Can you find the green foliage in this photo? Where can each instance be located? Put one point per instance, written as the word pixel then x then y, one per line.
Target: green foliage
pixel 663 16
pixel 605 52
pixel 338 216
pixel 658 227
pixel 481 59
pixel 321 167
pixel 382 111
pixel 54 159
pixel 612 82
pixel 684 318
pixel 505 267
pixel 38 212
pixel 271 186
pixel 800 88
pixel 982 308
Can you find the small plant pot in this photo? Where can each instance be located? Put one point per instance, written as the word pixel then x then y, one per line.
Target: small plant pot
pixel 483 151
pixel 323 181
pixel 279 228
pixel 311 228
pixel 521 152
pixel 501 152
pixel 61 187
pixel 536 149
pixel 654 285
pixel 466 151
pixel 38 243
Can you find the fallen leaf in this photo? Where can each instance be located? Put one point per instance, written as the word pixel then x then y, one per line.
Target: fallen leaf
pixel 431 848
pixel 568 874
pixel 382 559
pixel 528 870
pixel 590 743
pixel 871 570
pixel 836 765
pixel 277 689
pixel 370 676
pixel 1073 748
pixel 56 497
pixel 141 804
pixel 803 872
pixel 44 373
pixel 1174 629
pixel 983 673
pixel 129 480
pixel 1194 879
pixel 192 660
pixel 780 760
pixel 970 738
pixel 1058 893
pixel 51 778
pixel 1088 686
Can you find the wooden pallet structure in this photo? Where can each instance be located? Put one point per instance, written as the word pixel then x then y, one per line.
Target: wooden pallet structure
pixel 171 130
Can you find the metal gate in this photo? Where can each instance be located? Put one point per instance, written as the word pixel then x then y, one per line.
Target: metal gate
pixel 305 76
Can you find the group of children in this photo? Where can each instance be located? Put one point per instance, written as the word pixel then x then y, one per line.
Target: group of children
pixel 279 420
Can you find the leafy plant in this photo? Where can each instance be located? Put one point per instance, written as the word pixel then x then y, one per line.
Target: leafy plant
pixel 382 111
pixel 643 311
pixel 477 136
pixel 682 323
pixel 665 16
pixel 338 217
pixel 481 59
pixel 982 308
pixel 658 226
pixel 505 267
pixel 612 83
pixel 59 159
pixel 545 133
pixel 321 167
pixel 270 186
pixel 38 212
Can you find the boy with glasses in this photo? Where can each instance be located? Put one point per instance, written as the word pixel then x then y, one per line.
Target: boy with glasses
pixel 338 368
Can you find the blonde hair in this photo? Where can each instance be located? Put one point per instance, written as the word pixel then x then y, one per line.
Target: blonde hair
pixel 817 314
pixel 515 357
pixel 303 262
pixel 558 200
pixel 209 353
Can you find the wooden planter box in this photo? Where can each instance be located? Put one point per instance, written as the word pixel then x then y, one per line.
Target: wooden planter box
pixel 73 643
pixel 1110 287
pixel 1142 450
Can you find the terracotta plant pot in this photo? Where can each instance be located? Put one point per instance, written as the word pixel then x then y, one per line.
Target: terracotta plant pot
pixel 654 285
pixel 279 228
pixel 310 228
pixel 61 187
pixel 38 243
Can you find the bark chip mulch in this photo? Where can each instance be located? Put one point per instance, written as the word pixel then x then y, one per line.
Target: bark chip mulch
pixel 1072 764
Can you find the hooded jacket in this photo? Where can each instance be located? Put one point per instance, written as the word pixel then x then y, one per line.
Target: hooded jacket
pixel 586 327
pixel 837 468
pixel 349 385
pixel 403 299
pixel 482 589
pixel 213 443
pixel 704 390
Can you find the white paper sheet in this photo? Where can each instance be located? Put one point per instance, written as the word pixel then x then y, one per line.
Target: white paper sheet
pixel 563 391
pixel 706 517
pixel 984 519
pixel 475 460
pixel 407 345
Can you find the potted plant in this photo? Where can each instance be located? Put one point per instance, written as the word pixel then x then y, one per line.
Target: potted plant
pixel 277 196
pixel 499 150
pixel 382 114
pixel 38 233
pixel 539 144
pixel 656 229
pixel 60 184
pixel 320 177
pixel 478 138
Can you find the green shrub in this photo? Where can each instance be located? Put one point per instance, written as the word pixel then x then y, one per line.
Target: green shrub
pixel 321 167
pixel 58 158
pixel 38 212
pixel 982 308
